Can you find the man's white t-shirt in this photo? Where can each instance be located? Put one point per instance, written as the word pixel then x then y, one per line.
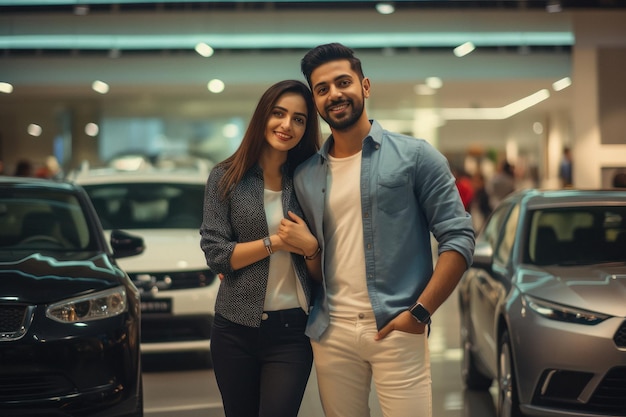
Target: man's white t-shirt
pixel 343 232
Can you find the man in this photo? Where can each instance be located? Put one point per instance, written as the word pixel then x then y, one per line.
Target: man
pixel 565 168
pixel 372 198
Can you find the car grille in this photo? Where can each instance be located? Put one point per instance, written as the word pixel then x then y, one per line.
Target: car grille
pixel 175 329
pixel 610 396
pixel 20 387
pixel 564 388
pixel 179 280
pixel 14 319
pixel 620 336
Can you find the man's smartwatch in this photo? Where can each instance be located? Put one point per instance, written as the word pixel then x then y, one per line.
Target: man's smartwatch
pixel 420 313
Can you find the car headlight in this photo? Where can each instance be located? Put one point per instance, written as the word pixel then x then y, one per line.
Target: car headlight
pixel 100 305
pixel 564 313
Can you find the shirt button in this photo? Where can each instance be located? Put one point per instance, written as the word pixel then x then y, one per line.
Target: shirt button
pixel 264 316
pixel 366 215
pixel 361 315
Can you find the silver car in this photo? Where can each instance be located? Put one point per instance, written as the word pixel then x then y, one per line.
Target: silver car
pixel 543 307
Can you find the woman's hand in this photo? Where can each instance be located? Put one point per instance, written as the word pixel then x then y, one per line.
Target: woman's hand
pixel 296 235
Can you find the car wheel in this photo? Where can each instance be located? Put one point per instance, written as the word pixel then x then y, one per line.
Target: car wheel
pixel 471 376
pixel 508 401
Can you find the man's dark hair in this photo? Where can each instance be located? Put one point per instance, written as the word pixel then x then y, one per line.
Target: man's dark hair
pixel 322 54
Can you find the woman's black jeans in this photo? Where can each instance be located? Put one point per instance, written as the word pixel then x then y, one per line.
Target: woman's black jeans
pixel 262 372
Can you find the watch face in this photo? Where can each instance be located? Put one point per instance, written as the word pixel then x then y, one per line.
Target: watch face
pixel 421 314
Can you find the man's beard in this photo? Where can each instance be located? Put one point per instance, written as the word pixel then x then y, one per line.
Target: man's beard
pixel 347 122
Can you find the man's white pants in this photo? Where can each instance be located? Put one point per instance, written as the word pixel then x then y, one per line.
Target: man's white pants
pixel 347 357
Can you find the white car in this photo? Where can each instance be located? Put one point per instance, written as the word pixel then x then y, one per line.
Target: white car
pixel 177 288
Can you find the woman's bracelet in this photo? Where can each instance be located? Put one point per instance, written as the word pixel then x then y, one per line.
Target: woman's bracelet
pixel 317 252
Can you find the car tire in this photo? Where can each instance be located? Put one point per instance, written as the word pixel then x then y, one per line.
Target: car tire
pixel 508 400
pixel 471 376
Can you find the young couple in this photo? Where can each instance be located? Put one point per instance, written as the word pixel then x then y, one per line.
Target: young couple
pixel 326 252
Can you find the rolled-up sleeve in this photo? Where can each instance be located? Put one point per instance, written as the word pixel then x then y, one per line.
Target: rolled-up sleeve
pixel 448 221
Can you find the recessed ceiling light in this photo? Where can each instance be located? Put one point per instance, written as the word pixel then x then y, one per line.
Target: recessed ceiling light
pixel 216 86
pixel 100 87
pixel 385 8
pixel 81 10
pixel 34 129
pixel 464 49
pixel 204 49
pixel 554 6
pixel 434 82
pixel 561 84
pixel 6 88
pixel 91 129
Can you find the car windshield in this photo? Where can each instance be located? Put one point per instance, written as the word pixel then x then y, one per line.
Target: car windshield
pixel 148 205
pixel 576 236
pixel 35 219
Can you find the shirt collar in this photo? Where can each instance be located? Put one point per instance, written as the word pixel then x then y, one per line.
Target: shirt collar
pixel 374 136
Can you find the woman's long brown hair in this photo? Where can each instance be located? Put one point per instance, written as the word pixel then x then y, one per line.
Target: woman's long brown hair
pixel 249 150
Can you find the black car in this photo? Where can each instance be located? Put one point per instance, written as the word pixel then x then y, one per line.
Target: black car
pixel 69 316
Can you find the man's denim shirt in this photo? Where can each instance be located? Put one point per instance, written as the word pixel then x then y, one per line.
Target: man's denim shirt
pixel 407 192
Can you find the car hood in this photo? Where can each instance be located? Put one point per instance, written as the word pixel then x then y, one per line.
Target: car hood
pixel 166 250
pixel 599 288
pixel 51 276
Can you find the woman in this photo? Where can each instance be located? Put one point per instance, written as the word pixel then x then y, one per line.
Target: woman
pixel 253 234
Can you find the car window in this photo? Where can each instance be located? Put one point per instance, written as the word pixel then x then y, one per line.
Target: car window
pixel 491 232
pixel 36 219
pixel 148 205
pixel 504 248
pixel 576 235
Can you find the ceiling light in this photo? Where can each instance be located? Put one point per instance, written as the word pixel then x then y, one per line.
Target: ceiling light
pixel 81 10
pixel 100 87
pixel 371 39
pixel 464 49
pixel 216 86
pixel 554 6
pixel 34 130
pixel 561 84
pixel 204 49
pixel 434 82
pixel 6 88
pixel 495 113
pixel 385 8
pixel 91 129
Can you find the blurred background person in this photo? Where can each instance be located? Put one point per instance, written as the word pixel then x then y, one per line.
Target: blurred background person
pixel 51 169
pixel 24 168
pixel 464 185
pixel 565 168
pixel 502 183
pixel 619 180
pixel 480 206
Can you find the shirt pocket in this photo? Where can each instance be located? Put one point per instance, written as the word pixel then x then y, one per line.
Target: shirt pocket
pixel 393 192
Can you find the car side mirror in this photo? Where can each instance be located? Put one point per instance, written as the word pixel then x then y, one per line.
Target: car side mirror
pixel 483 255
pixel 125 244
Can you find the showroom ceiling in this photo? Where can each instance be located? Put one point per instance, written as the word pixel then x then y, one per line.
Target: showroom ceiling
pixel 145 50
